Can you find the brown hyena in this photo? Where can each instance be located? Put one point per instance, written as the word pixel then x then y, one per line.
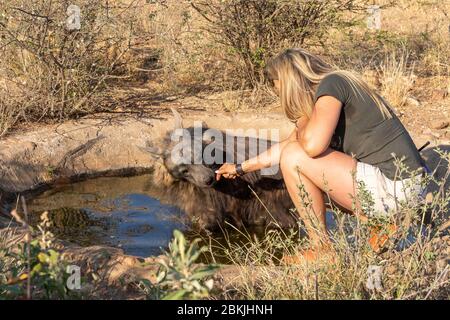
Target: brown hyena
pixel 254 199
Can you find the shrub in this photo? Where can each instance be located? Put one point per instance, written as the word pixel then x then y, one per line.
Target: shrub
pixel 33 268
pixel 179 275
pixel 396 78
pixel 51 71
pixel 255 30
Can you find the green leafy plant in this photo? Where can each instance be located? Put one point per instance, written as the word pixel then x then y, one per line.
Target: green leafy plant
pixel 33 268
pixel 179 276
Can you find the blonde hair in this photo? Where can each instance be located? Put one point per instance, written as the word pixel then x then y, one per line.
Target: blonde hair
pixel 300 73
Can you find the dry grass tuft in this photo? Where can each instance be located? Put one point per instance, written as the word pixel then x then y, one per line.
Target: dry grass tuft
pixel 396 78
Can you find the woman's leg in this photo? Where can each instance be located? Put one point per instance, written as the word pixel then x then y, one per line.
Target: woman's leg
pixel 307 178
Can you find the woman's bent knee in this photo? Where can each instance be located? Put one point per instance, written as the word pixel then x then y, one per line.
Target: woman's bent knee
pixel 292 157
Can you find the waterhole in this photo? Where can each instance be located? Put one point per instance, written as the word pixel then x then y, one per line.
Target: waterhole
pixel 129 213
pixel 125 212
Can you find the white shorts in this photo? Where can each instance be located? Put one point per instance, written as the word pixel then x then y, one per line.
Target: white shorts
pixel 384 191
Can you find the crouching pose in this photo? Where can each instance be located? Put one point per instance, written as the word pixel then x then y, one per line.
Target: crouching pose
pixel 346 138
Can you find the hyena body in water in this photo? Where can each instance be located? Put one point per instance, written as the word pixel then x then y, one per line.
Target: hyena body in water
pixel 254 199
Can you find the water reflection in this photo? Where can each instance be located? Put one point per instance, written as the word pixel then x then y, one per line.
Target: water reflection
pixel 119 212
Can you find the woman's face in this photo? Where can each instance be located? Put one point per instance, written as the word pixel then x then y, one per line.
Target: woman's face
pixel 276 85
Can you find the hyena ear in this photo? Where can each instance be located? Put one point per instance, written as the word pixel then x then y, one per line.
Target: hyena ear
pixel 155 152
pixel 178 120
pixel 201 124
pixel 208 139
pixel 213 135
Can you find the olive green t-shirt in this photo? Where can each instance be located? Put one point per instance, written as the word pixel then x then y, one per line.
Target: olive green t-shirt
pixel 363 132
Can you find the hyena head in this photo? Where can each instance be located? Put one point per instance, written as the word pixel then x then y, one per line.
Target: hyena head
pixel 191 154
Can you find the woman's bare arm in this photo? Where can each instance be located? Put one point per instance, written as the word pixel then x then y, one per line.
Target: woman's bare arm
pixel 316 133
pixel 265 159
pixel 313 134
pixel 270 157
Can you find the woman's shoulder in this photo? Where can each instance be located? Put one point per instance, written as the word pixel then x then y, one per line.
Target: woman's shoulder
pixel 334 84
pixel 334 78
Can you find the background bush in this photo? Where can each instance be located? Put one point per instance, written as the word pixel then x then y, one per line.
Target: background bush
pixel 49 71
pixel 189 48
pixel 256 30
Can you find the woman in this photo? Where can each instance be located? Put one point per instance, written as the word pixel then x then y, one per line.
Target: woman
pixel 344 132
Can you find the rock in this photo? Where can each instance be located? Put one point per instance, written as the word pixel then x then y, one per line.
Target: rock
pixel 412 102
pixel 439 124
pixel 29 145
pixel 110 264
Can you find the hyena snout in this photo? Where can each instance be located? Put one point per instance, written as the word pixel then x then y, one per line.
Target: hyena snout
pixel 201 176
pixel 196 174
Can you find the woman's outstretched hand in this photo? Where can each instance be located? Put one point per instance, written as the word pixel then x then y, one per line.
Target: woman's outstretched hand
pixel 227 170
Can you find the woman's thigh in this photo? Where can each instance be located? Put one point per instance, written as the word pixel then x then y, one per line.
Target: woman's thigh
pixel 332 171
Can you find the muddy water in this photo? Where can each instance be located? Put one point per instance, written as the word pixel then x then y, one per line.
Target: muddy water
pixel 121 212
pixel 125 212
